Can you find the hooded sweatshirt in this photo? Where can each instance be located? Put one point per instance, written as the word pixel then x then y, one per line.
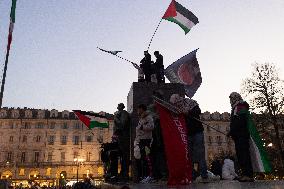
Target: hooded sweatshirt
pixel 145 127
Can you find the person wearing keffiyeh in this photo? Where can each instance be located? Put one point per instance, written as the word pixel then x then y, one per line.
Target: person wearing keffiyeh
pixel 191 111
pixel 240 134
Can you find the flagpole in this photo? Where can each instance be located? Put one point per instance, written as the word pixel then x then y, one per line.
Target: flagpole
pixel 175 110
pixel 6 63
pixel 154 34
pixel 133 63
pixel 124 59
pixel 11 27
pixel 4 77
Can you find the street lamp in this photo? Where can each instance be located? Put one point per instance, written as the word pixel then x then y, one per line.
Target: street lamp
pixel 78 162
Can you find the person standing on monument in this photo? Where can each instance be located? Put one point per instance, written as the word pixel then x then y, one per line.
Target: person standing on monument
pixel 146 66
pixel 122 131
pixel 160 171
pixel 191 110
pixel 240 134
pixel 159 67
pixel 143 142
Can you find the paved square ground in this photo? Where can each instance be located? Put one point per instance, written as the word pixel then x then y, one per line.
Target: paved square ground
pixel 219 185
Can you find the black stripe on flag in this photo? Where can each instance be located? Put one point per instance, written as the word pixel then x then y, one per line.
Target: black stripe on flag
pixel 89 113
pixel 186 13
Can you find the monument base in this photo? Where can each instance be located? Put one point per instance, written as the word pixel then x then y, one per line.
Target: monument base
pixel 142 93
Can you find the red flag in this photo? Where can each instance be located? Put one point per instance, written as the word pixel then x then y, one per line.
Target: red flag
pixel 176 147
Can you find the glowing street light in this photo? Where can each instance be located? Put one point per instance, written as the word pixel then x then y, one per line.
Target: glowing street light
pixel 270 145
pixel 78 161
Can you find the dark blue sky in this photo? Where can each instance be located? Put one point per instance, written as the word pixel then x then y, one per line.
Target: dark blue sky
pixel 54 62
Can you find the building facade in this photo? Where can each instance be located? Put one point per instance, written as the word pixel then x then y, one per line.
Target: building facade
pixel 217 144
pixel 47 145
pixel 44 145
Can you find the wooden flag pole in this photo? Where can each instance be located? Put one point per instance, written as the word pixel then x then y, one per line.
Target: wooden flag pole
pixel 154 34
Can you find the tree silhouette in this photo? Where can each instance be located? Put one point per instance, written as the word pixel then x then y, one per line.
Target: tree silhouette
pixel 265 91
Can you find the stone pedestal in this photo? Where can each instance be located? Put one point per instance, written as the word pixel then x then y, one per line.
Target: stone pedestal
pixel 141 93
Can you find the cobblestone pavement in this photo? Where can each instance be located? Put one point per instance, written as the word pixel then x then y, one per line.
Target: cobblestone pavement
pixel 218 185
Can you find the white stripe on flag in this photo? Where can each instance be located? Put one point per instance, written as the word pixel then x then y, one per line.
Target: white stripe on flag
pixel 184 21
pixel 97 119
pixel 256 160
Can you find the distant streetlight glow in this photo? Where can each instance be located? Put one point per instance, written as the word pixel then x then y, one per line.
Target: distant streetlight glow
pixel 270 145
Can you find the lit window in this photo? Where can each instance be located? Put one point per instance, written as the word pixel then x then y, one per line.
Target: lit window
pixel 48 171
pixel 22 172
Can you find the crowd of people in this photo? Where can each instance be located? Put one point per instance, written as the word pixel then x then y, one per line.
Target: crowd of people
pixel 149 152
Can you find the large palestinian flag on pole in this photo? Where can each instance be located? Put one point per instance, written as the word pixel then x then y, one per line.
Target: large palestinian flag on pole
pixel 180 15
pixel 91 119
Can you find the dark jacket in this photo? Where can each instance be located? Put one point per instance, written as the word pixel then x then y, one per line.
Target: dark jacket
pixel 194 126
pixel 122 124
pixel 239 120
pixel 146 64
pixel 159 63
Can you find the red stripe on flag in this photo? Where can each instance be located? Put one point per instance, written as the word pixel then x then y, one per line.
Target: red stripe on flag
pixel 10 36
pixel 84 119
pixel 171 11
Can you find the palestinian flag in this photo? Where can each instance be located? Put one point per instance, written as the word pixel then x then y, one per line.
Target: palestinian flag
pixel 258 154
pixel 11 26
pixel 92 120
pixel 180 15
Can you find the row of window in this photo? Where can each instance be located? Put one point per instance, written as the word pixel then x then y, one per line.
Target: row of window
pixel 217 127
pixel 51 139
pixel 36 157
pixel 219 140
pixel 41 125
pixel 28 114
